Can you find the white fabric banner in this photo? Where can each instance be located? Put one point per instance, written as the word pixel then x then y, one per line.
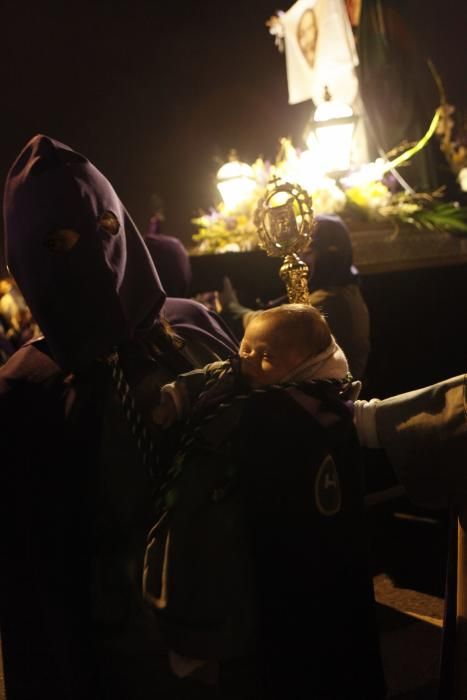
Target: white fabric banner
pixel 319 51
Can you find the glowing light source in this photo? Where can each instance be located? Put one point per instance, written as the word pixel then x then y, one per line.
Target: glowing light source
pixel 236 182
pixel 462 179
pixel 330 134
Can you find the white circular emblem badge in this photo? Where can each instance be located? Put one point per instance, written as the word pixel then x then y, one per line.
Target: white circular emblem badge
pixel 327 488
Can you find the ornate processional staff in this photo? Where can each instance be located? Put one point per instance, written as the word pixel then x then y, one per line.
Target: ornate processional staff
pixel 284 218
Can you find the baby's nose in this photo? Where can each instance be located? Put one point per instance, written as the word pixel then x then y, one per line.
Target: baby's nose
pixel 250 355
pixel 247 362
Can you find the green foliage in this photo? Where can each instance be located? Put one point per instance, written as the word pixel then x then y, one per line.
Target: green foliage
pixel 444 217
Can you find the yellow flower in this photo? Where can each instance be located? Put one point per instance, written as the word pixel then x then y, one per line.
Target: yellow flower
pixel 369 196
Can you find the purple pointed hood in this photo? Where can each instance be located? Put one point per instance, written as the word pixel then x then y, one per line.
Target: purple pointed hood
pixel 330 255
pixel 76 255
pixel 172 262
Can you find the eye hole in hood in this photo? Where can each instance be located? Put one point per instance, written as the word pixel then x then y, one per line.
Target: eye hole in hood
pixel 61 241
pixel 108 223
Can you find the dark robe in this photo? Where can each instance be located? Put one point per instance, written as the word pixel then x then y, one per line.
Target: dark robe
pixel 282 542
pixel 76 496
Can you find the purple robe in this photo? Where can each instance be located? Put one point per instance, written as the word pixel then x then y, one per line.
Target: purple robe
pixel 75 496
pixel 194 322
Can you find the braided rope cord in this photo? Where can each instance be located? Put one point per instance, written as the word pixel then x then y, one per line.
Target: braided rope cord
pixel 194 426
pixel 138 429
pixel 164 477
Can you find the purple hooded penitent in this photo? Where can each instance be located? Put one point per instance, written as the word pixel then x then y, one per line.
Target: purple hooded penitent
pixel 76 255
pixel 172 261
pixel 330 255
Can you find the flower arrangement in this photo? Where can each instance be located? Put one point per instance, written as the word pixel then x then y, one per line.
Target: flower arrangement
pixel 220 231
pixel 231 230
pixel 368 194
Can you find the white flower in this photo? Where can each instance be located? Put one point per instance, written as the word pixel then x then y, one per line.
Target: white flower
pixel 328 199
pixel 230 248
pixel 462 179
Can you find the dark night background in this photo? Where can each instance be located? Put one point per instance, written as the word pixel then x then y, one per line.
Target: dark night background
pixel 156 94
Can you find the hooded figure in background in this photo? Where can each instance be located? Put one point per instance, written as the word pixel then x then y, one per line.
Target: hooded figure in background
pixel 169 254
pixel 334 289
pixel 77 488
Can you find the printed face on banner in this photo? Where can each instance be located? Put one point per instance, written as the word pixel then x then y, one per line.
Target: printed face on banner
pixel 307 36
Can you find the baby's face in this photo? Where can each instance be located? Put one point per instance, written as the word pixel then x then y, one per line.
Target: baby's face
pixel 267 355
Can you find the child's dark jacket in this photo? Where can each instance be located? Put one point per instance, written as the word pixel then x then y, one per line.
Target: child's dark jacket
pixel 264 550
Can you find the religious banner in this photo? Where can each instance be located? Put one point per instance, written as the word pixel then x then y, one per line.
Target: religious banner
pixel 319 51
pixel 354 9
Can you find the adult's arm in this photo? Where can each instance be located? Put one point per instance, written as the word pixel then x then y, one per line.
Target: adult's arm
pixel 424 434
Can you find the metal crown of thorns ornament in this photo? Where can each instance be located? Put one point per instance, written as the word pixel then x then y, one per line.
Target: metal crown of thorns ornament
pixel 284 218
